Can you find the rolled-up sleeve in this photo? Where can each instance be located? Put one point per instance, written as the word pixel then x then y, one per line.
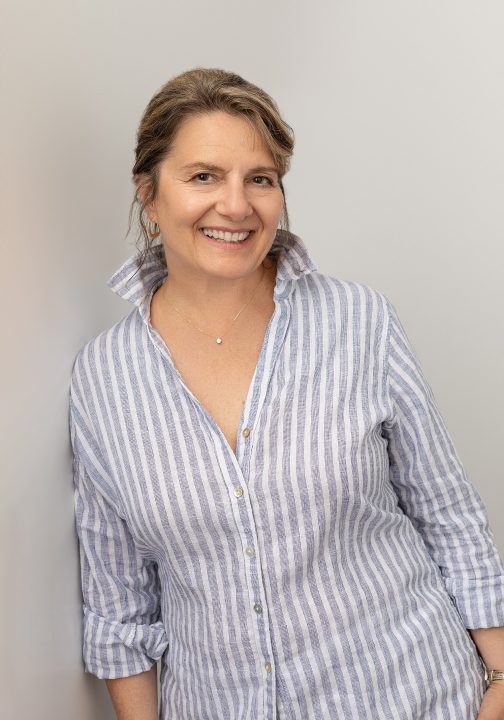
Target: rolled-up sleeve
pixel 435 493
pixel 123 632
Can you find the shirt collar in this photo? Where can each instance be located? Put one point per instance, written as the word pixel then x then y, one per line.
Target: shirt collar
pixel 135 282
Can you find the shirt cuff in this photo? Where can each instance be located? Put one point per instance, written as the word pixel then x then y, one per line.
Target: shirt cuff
pixel 114 649
pixel 480 603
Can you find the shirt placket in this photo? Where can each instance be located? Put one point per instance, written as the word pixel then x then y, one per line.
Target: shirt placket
pixel 236 469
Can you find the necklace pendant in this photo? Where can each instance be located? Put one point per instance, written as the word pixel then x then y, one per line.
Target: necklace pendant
pixel 218 341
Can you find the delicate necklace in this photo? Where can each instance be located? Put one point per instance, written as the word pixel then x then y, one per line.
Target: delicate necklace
pixel 218 339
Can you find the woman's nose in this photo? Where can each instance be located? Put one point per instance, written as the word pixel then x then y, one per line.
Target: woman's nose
pixel 233 201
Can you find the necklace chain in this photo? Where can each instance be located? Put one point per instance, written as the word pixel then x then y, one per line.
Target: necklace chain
pixel 218 339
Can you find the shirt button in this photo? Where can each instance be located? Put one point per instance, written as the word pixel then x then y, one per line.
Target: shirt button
pixel 249 551
pixel 245 432
pixel 268 667
pixel 258 608
pixel 238 491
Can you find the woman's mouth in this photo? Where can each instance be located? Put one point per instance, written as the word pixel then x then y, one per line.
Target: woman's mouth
pixel 224 237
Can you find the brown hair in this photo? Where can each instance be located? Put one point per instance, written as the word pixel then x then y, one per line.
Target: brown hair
pixel 196 92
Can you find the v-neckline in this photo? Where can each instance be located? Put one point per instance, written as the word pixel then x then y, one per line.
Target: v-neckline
pixel 164 347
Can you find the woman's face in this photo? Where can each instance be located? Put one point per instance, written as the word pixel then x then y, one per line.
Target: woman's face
pixel 218 178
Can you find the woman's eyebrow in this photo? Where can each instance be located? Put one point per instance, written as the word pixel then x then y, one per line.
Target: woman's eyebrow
pixel 201 165
pixel 264 168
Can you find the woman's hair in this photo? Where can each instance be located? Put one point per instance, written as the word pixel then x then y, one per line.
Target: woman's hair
pixel 197 92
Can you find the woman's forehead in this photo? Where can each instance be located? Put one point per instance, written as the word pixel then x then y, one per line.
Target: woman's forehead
pixel 218 133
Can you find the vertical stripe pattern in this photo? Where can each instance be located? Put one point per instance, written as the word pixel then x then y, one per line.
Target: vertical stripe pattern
pixel 326 571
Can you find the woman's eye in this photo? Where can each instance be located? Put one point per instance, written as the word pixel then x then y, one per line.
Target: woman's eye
pixel 262 180
pixel 202 177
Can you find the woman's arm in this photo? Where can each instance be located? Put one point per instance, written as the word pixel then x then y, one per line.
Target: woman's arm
pixel 490 644
pixel 434 492
pixel 135 697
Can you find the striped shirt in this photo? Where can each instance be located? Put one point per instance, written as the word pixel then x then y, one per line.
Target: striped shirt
pixel 329 568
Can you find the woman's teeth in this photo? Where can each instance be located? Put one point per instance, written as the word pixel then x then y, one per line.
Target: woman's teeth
pixel 226 236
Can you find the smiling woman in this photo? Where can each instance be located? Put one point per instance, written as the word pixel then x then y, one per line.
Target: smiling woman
pixel 218 216
pixel 267 499
pixel 193 94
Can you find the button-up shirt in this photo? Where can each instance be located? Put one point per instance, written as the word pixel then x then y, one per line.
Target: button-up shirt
pixel 325 570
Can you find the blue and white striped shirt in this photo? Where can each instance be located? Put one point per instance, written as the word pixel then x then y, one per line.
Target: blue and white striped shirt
pixel 329 569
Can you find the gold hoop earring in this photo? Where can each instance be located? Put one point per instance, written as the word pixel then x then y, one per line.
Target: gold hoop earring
pixel 153 230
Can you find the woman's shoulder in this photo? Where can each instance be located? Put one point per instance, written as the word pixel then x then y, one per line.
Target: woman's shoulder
pixel 107 348
pixel 349 296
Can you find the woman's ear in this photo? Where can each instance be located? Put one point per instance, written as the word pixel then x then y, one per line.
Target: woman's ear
pixel 143 188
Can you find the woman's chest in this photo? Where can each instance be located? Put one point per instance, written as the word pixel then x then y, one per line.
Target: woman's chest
pixel 220 385
pixel 218 375
pixel 314 415
pixel 314 442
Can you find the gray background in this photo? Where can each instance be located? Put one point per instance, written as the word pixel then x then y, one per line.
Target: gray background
pixel 398 179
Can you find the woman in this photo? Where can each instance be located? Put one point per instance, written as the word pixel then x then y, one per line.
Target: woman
pixel 267 500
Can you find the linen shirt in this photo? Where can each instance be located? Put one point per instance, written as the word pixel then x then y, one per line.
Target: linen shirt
pixel 329 569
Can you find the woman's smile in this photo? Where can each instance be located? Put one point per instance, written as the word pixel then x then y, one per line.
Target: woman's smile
pixel 227 238
pixel 219 200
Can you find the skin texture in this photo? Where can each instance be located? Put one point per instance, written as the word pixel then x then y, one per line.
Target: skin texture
pixel 210 283
pixel 135 697
pixel 490 644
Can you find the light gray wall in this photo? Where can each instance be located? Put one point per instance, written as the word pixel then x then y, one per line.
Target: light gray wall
pixel 398 181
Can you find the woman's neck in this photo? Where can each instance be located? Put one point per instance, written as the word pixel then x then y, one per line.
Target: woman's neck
pixel 205 299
